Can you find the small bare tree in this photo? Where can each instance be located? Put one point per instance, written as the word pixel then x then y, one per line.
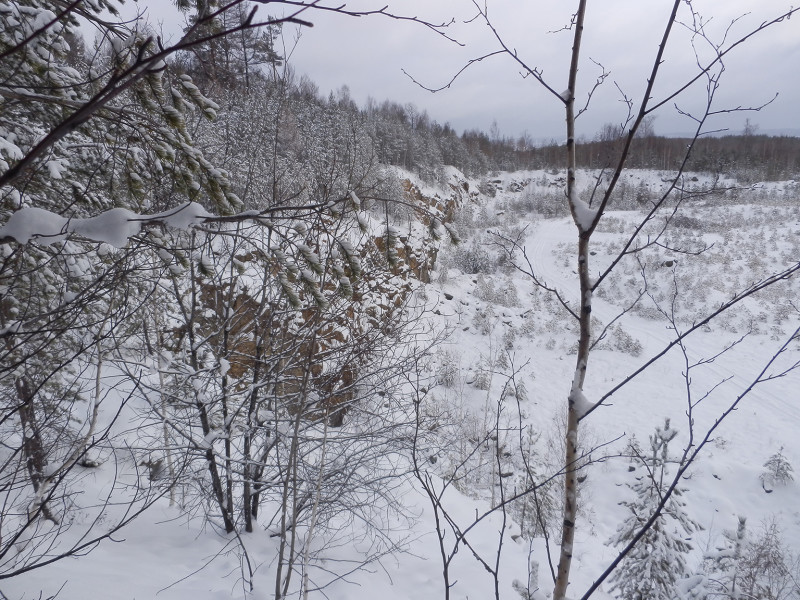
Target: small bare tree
pixel 89 145
pixel 645 235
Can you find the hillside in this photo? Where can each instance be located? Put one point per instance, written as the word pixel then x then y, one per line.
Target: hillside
pixel 258 342
pixel 490 397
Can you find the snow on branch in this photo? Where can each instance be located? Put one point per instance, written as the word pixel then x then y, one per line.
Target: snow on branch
pixel 113 226
pixel 118 225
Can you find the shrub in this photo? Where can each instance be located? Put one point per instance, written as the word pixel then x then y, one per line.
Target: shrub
pixel 473 259
pixel 448 372
pixel 777 471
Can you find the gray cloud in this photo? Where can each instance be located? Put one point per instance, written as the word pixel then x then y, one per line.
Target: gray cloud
pixel 369 54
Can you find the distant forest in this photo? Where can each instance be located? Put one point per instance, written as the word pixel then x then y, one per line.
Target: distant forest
pixel 405 136
pixel 410 139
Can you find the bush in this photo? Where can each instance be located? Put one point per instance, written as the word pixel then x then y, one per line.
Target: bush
pixel 625 342
pixel 549 204
pixel 492 292
pixel 473 259
pixel 777 471
pixel 485 321
pixel 447 373
pixel 767 569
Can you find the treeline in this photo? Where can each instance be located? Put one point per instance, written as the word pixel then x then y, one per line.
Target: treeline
pixel 747 157
pixel 406 136
pixel 389 132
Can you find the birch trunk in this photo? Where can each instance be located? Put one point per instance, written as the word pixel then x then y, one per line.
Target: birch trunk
pixel 571 442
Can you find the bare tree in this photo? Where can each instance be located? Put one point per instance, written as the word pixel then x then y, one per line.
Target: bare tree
pixel 588 213
pixel 91 143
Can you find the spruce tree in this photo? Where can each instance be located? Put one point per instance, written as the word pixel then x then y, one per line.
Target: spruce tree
pixel 777 471
pixel 656 563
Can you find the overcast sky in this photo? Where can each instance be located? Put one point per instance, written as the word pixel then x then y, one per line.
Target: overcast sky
pixel 369 54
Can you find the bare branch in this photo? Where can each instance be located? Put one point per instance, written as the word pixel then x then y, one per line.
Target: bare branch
pixel 458 73
pixel 721 54
pixel 598 82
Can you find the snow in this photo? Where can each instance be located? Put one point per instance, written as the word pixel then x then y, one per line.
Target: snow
pixel 584 214
pixel 56 167
pixel 167 553
pixel 10 328
pixel 208 441
pixel 183 217
pixel 224 366
pixel 114 227
pixel 8 147
pixel 580 403
pixel 35 223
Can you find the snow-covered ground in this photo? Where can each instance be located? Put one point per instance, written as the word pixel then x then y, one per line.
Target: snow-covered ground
pixel 497 322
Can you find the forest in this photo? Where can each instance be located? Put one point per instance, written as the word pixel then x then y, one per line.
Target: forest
pixel 262 342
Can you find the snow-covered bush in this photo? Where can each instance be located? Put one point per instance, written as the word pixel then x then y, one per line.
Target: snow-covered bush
pixel 657 562
pixel 518 391
pixel 624 342
pixel 473 259
pixel 483 375
pixel 767 570
pixel 537 512
pixel 777 471
pixel 509 338
pixel 547 202
pixel 721 563
pixel 501 360
pixel 447 373
pixel 485 321
pixel 490 290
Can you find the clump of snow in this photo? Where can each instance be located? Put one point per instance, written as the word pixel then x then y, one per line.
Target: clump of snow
pixel 56 167
pixel 580 403
pixel 584 214
pixel 183 217
pixel 114 227
pixel 29 223
pixel 12 327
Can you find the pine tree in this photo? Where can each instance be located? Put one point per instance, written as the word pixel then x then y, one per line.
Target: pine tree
pixel 230 61
pixel 721 566
pixel 777 471
pixel 656 563
pixel 67 302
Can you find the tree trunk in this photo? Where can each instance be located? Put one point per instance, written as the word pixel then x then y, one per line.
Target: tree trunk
pixel 571 441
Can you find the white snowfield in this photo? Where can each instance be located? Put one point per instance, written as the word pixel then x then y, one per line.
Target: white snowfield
pixel 167 555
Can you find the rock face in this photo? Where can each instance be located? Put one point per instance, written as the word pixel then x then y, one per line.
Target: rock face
pixel 325 353
pixel 417 254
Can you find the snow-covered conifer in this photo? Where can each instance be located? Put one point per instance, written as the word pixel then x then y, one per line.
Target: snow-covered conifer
pixel 652 569
pixel 777 471
pixel 721 564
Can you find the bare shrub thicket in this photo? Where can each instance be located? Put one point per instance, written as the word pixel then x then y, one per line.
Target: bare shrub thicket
pixel 750 564
pixel 212 280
